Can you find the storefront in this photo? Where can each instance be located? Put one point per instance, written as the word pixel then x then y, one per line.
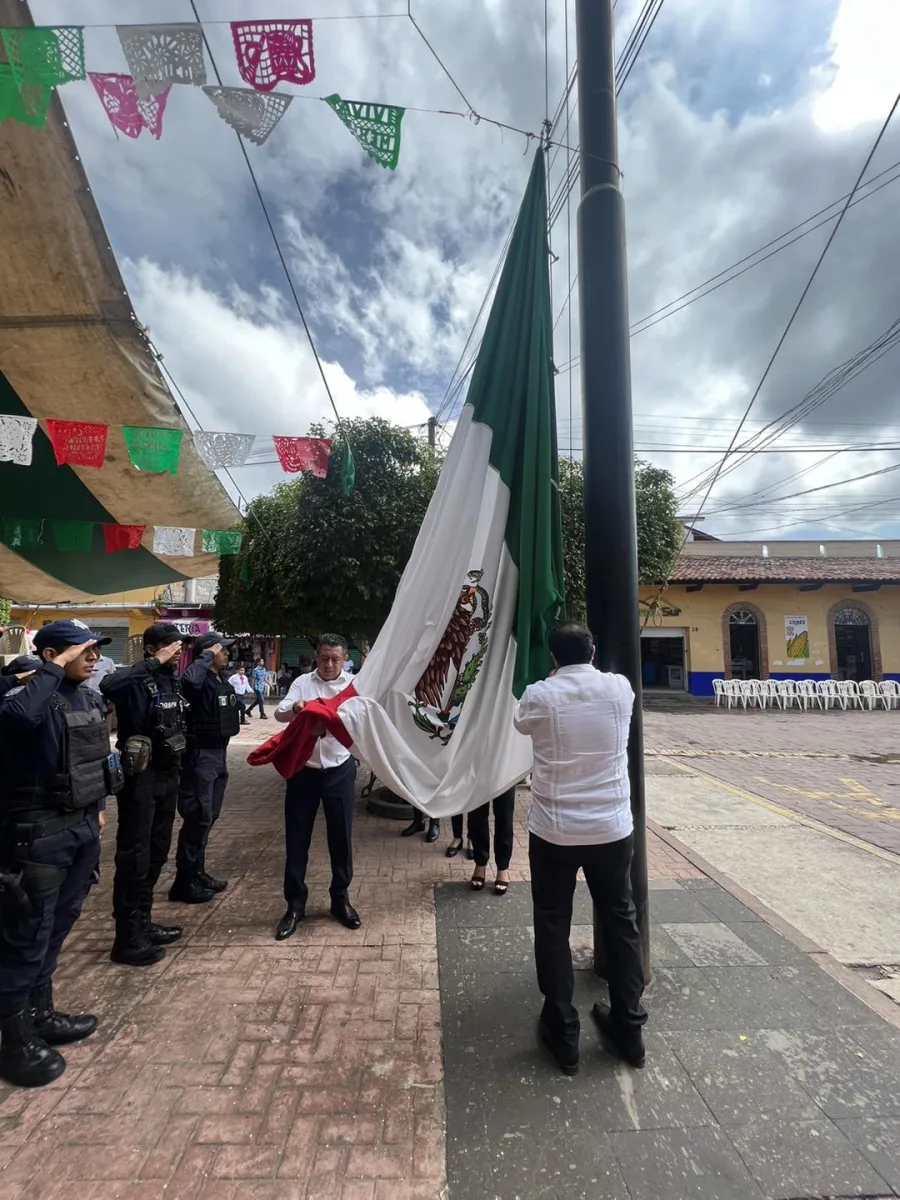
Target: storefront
pixel 663 659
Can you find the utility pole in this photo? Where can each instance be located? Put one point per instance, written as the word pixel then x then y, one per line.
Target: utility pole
pixel 611 577
pixel 432 431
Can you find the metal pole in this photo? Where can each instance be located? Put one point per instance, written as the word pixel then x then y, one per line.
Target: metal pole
pixel 609 513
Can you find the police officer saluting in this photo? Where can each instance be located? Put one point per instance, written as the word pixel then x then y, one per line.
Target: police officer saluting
pixel 213 718
pixel 56 774
pixel 151 722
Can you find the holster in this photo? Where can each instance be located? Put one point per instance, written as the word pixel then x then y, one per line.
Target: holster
pixel 136 755
pixel 13 897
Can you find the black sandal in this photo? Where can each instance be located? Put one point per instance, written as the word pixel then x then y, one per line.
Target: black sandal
pixel 454 848
pixel 478 881
pixel 501 887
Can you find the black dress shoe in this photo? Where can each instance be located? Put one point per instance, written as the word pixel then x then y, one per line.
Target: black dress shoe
pixel 211 883
pixel 416 825
pixel 343 911
pixel 629 1046
pixel 288 924
pixel 564 1053
pixel 434 831
pixel 190 891
pixel 162 935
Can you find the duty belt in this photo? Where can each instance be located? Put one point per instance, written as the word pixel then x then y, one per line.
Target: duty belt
pixel 28 827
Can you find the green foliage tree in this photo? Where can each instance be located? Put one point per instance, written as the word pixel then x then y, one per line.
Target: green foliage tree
pixel 658 530
pixel 4 612
pixel 314 559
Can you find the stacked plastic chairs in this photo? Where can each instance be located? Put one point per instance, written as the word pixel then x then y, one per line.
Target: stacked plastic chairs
pixel 807 693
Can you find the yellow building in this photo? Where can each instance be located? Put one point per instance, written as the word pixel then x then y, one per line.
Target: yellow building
pixel 779 610
pixel 119 617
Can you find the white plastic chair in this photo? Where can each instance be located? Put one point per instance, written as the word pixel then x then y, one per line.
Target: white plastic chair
pixel 870 696
pixel 770 697
pixel 720 691
pixel 787 693
pixel 890 690
pixel 808 695
pixel 827 690
pixel 848 694
pixel 755 693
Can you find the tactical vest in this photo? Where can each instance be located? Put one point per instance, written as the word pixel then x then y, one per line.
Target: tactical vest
pixel 168 722
pixel 83 780
pixel 223 722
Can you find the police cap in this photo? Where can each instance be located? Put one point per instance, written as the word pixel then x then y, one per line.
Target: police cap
pixel 21 665
pixel 164 633
pixel 205 640
pixel 57 634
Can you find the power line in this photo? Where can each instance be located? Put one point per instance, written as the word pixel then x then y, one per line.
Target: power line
pixel 730 273
pixel 331 17
pixel 281 256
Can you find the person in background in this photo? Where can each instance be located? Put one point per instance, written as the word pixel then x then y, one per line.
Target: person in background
pixel 57 772
pixel 242 688
pixel 152 724
pixel 480 834
pixel 259 677
pixel 432 830
pixel 579 721
pixel 349 668
pixel 284 681
pixel 456 845
pixel 212 721
pixel 104 666
pixel 327 779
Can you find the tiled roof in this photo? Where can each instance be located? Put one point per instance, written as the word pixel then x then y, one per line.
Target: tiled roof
pixel 711 568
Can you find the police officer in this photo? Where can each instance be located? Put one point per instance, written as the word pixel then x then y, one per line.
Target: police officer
pixel 56 774
pixel 151 723
pixel 213 718
pixel 14 674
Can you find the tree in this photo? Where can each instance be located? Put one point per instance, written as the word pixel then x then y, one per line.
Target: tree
pixel 658 531
pixel 4 612
pixel 314 559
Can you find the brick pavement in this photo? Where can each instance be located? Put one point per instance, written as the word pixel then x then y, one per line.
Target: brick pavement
pixel 829 766
pixel 239 1067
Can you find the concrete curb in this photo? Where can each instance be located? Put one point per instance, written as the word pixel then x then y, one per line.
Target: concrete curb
pixel 861 988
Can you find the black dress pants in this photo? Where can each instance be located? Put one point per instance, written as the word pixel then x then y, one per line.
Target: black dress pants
pixel 335 790
pixel 480 830
pixel 146 807
pixel 607 869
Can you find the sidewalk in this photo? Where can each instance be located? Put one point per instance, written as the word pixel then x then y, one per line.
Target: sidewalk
pixel 242 1068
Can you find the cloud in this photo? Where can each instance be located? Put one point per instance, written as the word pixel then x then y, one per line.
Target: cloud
pixel 735 125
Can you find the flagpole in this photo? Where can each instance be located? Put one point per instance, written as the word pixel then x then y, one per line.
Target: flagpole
pixel 611 577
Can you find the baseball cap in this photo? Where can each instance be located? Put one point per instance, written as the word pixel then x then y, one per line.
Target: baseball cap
pixel 164 633
pixel 66 633
pixel 205 640
pixel 19 666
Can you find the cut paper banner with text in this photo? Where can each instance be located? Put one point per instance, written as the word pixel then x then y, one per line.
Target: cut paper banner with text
pixel 431 711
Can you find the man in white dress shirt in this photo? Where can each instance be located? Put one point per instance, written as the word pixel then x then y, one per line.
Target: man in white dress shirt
pixel 580 816
pixel 328 778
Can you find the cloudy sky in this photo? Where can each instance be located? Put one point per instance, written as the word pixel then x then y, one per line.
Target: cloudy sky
pixel 736 126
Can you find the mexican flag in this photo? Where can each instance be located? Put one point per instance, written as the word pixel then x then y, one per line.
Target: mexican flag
pixel 431 710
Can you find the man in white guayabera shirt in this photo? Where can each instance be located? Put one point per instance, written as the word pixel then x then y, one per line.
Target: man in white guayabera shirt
pixel 328 779
pixel 580 816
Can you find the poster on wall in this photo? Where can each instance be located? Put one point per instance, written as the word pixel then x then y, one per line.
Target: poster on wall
pixel 796 636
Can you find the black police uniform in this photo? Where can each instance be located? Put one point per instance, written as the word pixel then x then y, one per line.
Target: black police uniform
pixel 55 776
pixel 213 718
pixel 149 705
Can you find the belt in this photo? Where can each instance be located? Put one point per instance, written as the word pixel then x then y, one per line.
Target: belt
pixel 329 770
pixel 29 827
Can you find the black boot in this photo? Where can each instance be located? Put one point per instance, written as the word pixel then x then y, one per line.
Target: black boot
pixel 25 1059
pixel 417 825
pixel 56 1028
pixel 211 883
pixel 159 935
pixel 189 890
pixel 133 946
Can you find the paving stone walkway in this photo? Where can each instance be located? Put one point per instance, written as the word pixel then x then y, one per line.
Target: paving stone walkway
pixel 765 1078
pixel 242 1068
